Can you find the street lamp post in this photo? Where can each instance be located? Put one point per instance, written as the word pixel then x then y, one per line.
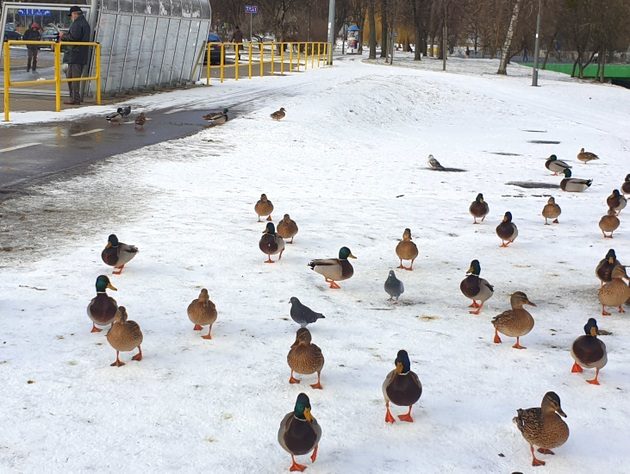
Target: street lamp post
pixel 537 46
pixel 331 30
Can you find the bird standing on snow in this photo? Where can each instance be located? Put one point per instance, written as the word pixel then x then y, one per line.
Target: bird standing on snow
pixel 406 250
pixel 102 307
pixel 202 312
pixel 479 208
pixel 393 286
pixel 588 351
pixel 609 223
pixel 616 201
pixel 551 211
pixel 606 265
pixel 263 207
pixel 615 292
pixel 401 387
pixel 124 336
pixel 507 230
pixel 287 228
pixel 625 187
pixel 299 432
pixel 334 269
pixel 305 358
pixel 543 426
pixel 117 255
pixel 476 288
pixel 435 164
pixel 515 322
pixel 574 185
pixel 556 165
pixel 278 114
pixel 271 243
pixel 586 156
pixel 302 314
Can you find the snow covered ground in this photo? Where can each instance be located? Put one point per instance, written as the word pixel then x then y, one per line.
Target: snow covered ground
pixel 349 164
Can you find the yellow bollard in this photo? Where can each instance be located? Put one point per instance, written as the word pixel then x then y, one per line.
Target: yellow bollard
pixel 58 77
pixel 236 59
pixel 98 74
pixel 250 58
pixel 273 47
pixel 298 57
pixel 291 57
pixel 222 62
pixel 282 58
pixel 7 79
pixel 305 56
pixel 262 62
pixel 208 49
pixel 312 55
pixel 318 54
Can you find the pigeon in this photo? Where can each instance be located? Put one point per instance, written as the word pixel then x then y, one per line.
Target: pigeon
pixel 303 315
pixel 435 164
pixel 125 111
pixel 278 114
pixel 393 286
pixel 140 120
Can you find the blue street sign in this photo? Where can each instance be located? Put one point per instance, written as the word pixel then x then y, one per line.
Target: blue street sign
pixel 251 9
pixel 33 12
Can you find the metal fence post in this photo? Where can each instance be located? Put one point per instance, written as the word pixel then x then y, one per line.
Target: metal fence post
pixel 291 57
pixel 7 79
pixel 208 59
pixel 262 62
pixel 282 58
pixel 98 74
pixel 250 58
pixel 273 47
pixel 236 61
pixel 222 62
pixel 58 77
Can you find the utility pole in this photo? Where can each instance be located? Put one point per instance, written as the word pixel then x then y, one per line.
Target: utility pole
pixel 331 30
pixel 444 39
pixel 537 46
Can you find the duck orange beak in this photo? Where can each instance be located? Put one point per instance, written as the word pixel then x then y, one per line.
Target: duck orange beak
pixel 593 331
pixel 112 287
pixel 399 367
pixel 109 245
pixel 307 415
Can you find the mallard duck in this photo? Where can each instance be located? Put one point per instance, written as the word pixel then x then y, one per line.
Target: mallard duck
pixel 124 336
pixel 586 156
pixel 574 185
pixel 609 223
pixel 507 230
pixel 543 426
pixel 479 208
pixel 625 187
pixel 406 250
pixel 589 351
pixel 278 114
pixel 216 115
pixel 302 314
pixel 607 265
pixel 476 288
pixel 271 243
pixel 334 269
pixel 305 358
pixel 393 286
pixel 102 307
pixel 616 201
pixel 551 211
pixel 140 120
pixel 287 228
pixel 556 165
pixel 202 312
pixel 615 292
pixel 264 207
pixel 117 255
pixel 121 114
pixel 515 322
pixel 401 387
pixel 299 432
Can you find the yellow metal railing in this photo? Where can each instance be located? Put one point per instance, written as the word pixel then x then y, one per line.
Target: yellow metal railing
pixel 270 57
pixel 58 80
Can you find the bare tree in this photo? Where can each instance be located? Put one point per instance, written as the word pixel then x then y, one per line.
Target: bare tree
pixel 508 38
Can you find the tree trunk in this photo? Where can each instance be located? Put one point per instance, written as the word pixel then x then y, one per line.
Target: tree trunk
pixel 384 41
pixel 417 19
pixel 602 65
pixel 372 26
pixel 505 52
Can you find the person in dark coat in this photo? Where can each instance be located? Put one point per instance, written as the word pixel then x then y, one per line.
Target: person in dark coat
pixel 32 34
pixel 77 55
pixel 237 37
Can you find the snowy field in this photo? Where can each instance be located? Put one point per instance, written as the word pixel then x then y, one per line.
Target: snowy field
pixel 349 164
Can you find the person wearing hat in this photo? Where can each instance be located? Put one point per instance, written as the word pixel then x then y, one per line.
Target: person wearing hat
pixel 77 55
pixel 32 34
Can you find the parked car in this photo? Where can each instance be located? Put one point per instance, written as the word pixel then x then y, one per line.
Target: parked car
pixel 10 33
pixel 215 50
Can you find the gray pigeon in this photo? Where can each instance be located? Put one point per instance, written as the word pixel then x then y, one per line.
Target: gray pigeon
pixel 393 286
pixel 303 315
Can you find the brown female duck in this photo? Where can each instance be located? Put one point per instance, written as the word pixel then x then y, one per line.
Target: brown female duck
pixel 543 426
pixel 551 211
pixel 287 228
pixel 586 156
pixel 305 358
pixel 263 207
pixel 588 351
pixel 609 223
pixel 406 250
pixel 625 187
pixel 102 307
pixel 202 312
pixel 515 322
pixel 124 336
pixel 615 292
pixel 616 201
pixel 479 208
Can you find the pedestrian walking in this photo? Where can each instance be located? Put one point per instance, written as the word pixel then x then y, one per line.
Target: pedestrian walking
pixel 77 55
pixel 237 37
pixel 32 34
